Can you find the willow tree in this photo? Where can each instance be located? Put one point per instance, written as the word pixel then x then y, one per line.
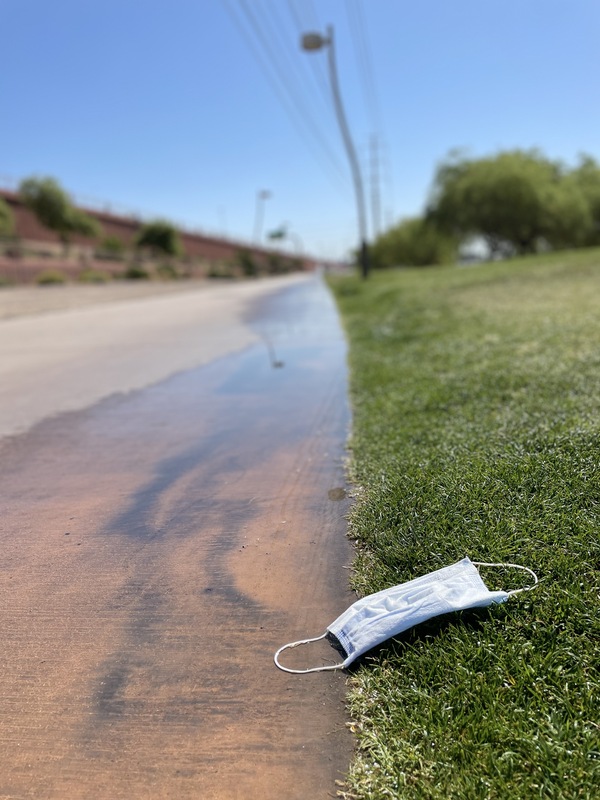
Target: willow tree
pixel 586 178
pixel 518 201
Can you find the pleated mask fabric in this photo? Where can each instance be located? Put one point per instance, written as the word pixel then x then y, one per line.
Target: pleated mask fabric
pixel 377 617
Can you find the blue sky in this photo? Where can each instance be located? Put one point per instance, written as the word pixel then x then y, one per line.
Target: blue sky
pixel 162 107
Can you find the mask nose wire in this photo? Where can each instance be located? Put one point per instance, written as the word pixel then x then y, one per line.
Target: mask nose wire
pixel 303 671
pixel 513 566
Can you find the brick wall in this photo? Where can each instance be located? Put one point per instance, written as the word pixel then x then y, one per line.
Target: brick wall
pixel 212 249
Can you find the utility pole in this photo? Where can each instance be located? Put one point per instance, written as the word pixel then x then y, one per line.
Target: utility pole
pixel 313 42
pixel 261 197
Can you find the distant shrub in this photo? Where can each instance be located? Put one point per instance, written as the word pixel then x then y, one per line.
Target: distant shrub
pixel 168 272
pixel 160 236
pixel 247 263
pixel 49 277
pixel 280 265
pixel 413 242
pixel 94 276
pixel 135 272
pixel 276 264
pixel 111 247
pixel 5 281
pixel 226 271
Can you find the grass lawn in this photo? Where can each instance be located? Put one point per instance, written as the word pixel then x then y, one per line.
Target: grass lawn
pixel 476 431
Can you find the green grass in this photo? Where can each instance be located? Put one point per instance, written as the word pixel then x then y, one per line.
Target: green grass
pixel 476 431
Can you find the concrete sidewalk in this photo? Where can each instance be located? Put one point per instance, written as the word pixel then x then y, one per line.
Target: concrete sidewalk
pixel 19 301
pixel 64 348
pixel 157 547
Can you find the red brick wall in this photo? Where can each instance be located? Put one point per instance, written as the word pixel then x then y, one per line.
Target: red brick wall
pixel 27 228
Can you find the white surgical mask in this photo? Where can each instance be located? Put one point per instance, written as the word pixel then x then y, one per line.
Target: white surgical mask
pixel 377 617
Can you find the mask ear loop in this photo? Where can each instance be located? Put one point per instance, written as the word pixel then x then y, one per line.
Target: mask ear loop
pixel 514 566
pixel 303 671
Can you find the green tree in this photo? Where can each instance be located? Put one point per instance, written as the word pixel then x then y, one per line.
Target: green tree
pixel 160 236
pixel 246 262
pixel 567 215
pixel 83 224
pixel 586 178
pixel 112 246
pixel 7 222
pixel 518 201
pixel 413 242
pixel 54 209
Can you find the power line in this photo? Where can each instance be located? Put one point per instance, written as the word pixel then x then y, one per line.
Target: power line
pixel 273 76
pixel 280 80
pixel 363 53
pixel 289 42
pixel 305 24
pixel 380 161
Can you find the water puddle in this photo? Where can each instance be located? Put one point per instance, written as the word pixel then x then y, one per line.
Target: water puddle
pixel 205 522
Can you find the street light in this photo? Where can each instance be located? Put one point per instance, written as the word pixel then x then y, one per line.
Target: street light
pixel 261 197
pixel 312 42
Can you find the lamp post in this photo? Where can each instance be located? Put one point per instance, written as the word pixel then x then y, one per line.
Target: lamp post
pixel 312 42
pixel 261 197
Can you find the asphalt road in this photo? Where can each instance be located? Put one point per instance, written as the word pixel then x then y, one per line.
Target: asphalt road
pixel 172 511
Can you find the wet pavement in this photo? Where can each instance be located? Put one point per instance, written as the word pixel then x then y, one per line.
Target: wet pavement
pixel 65 348
pixel 155 550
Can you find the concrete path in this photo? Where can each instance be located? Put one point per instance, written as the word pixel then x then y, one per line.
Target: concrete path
pixel 157 546
pixel 65 348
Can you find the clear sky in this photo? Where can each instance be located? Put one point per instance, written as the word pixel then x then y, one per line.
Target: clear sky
pixel 185 109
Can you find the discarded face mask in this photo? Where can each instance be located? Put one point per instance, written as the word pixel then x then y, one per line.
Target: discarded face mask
pixel 377 617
